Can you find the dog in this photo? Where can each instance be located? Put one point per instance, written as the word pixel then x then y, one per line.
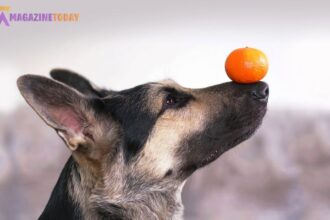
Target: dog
pixel 132 150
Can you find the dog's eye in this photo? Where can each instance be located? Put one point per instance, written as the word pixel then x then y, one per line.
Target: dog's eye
pixel 170 100
pixel 175 99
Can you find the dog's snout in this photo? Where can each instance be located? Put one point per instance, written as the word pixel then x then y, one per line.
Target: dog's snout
pixel 260 92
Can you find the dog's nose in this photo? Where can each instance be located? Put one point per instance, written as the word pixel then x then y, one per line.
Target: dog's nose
pixel 260 92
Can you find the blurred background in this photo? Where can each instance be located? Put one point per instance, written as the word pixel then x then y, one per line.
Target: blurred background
pixel 282 173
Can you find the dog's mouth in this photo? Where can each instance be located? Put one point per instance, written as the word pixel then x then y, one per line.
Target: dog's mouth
pixel 220 149
pixel 211 157
pixel 231 138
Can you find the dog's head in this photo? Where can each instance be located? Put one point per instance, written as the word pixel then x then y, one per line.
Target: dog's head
pixel 156 131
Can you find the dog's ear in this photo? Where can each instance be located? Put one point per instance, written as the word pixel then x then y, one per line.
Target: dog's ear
pixel 78 82
pixel 61 107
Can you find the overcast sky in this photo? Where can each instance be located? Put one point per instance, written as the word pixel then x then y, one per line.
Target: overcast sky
pixel 119 44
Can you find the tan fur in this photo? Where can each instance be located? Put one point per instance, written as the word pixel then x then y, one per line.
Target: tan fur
pixel 158 154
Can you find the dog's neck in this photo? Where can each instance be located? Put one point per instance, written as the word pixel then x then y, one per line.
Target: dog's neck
pixel 122 198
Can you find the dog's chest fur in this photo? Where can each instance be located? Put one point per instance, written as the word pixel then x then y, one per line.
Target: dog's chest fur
pixel 74 198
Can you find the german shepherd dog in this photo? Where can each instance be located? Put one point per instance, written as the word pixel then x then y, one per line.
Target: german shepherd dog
pixel 132 150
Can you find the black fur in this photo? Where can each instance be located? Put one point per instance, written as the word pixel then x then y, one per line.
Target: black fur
pixel 111 211
pixel 60 205
pixel 129 108
pixel 78 82
pixel 231 126
pixel 137 121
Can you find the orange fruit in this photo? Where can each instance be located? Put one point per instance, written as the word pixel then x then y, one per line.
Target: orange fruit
pixel 246 65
